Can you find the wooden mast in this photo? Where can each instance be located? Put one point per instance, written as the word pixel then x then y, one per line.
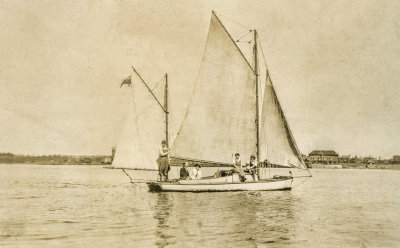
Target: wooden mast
pixel 257 93
pixel 166 108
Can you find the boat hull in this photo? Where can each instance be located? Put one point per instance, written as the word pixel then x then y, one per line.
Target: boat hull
pixel 265 185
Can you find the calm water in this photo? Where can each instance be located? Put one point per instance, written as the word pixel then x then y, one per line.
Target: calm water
pixel 78 206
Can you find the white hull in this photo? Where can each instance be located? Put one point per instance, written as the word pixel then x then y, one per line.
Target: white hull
pixel 264 173
pixel 221 184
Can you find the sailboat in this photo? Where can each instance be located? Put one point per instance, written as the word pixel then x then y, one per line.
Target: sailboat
pixel 233 108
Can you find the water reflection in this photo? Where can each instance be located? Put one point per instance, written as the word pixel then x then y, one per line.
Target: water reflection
pixel 93 207
pixel 246 218
pixel 162 213
pixel 264 217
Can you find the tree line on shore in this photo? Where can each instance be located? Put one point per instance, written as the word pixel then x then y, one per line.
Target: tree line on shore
pixel 10 158
pixel 367 159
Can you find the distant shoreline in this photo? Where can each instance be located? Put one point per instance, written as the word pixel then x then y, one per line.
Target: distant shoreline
pixel 18 164
pixel 9 158
pixel 379 166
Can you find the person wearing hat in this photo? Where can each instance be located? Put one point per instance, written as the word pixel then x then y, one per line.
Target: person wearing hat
pixel 196 172
pixel 184 173
pixel 163 161
pixel 251 167
pixel 237 164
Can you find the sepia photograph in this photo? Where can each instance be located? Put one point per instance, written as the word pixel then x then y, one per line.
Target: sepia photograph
pixel 188 123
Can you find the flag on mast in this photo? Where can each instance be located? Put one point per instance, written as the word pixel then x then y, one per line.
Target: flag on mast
pixel 127 81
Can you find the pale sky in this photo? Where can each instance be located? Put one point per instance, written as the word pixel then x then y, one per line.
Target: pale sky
pixel 335 66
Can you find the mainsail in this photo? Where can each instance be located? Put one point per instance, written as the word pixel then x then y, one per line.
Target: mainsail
pixel 277 144
pixel 220 119
pixel 143 132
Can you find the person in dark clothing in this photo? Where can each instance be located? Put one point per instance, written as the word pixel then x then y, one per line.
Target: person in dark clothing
pixel 184 173
pixel 163 161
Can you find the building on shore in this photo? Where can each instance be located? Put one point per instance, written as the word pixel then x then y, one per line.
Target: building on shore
pixel 396 159
pixel 323 157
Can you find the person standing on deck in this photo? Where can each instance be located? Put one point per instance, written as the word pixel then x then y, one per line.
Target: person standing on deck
pixel 184 173
pixel 196 172
pixel 251 167
pixel 163 161
pixel 237 164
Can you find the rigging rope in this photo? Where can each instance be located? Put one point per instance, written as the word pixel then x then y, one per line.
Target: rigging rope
pixel 232 20
pixel 247 41
pixel 305 179
pixel 262 51
pixel 158 83
pixel 238 40
pixel 132 182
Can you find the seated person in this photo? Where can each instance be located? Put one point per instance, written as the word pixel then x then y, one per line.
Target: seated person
pixel 237 167
pixel 251 167
pixel 196 172
pixel 184 173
